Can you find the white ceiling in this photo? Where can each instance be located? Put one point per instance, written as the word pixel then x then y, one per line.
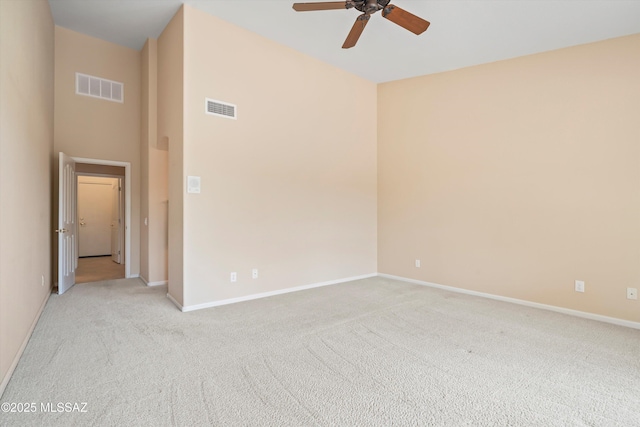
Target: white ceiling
pixel 462 32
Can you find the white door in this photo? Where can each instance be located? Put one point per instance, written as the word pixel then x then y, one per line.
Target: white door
pixel 67 254
pixel 116 221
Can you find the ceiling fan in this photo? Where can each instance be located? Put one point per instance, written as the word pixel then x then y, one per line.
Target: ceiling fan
pixel 393 13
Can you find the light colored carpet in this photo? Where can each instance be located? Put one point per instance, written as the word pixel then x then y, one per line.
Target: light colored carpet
pixel 373 352
pixel 95 269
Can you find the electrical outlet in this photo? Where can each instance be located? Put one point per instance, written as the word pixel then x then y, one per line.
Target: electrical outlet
pixel 254 273
pixel 579 286
pixel 417 263
pixel 234 277
pixel 632 293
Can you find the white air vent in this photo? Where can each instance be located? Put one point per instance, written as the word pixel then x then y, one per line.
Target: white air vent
pixel 99 88
pixel 222 109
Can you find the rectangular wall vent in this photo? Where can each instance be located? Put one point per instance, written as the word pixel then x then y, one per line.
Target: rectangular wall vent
pixel 222 109
pixel 97 87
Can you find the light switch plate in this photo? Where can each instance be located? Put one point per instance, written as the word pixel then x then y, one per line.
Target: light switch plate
pixel 193 184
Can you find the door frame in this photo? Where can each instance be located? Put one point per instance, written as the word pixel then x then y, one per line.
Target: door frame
pixel 127 204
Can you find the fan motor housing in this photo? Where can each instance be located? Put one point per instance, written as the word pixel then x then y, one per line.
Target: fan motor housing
pixel 371 6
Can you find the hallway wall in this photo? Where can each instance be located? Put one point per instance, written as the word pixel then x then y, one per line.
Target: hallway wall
pixel 94 128
pixel 26 138
pixel 154 160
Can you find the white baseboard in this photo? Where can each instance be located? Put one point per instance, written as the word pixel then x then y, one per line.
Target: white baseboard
pixel 148 283
pixel 16 359
pixel 267 294
pixel 577 313
pixel 160 283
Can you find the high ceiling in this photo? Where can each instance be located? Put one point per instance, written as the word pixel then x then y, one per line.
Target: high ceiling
pixel 462 32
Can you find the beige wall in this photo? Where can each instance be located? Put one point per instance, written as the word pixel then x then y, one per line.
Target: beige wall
pixel 94 128
pixel 146 128
pixel 290 187
pixel 170 134
pixel 154 182
pixel 26 154
pixel 158 214
pixel 518 177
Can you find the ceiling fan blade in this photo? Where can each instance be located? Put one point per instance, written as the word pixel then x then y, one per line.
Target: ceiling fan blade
pixel 356 31
pixel 327 5
pixel 405 19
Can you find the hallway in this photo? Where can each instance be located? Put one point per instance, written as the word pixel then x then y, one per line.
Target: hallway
pixel 94 269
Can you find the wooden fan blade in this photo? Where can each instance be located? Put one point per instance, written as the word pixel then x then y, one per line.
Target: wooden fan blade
pixel 356 31
pixel 405 19
pixel 327 5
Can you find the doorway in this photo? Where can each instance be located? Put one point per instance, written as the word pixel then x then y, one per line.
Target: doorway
pixel 100 213
pixel 65 215
pixel 110 168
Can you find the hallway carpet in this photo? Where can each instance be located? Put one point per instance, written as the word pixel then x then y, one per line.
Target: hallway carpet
pixel 95 269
